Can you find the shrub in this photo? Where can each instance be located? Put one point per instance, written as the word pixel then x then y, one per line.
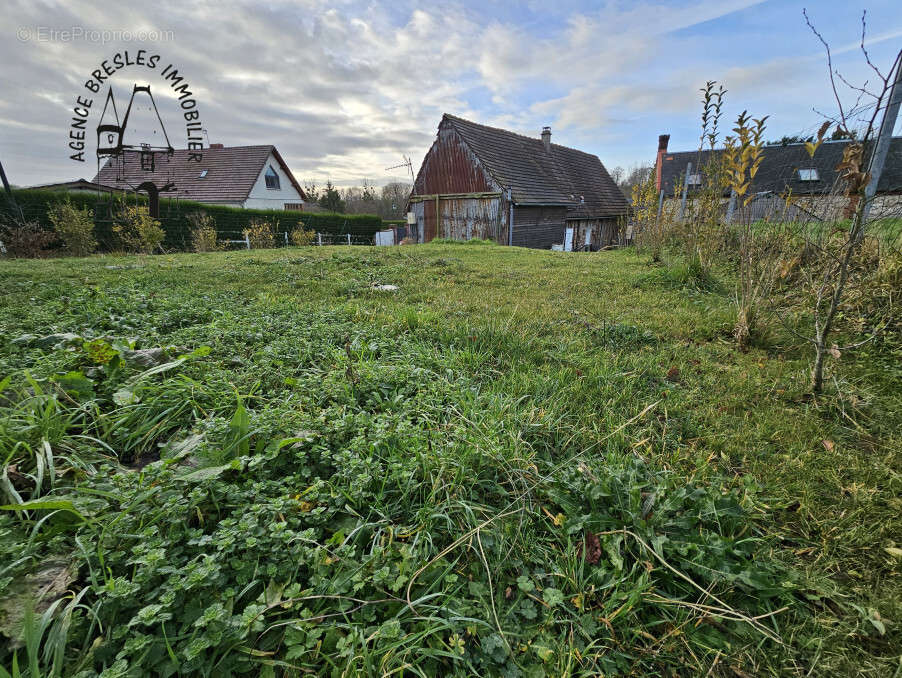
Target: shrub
pixel 175 222
pixel 261 234
pixel 136 230
pixel 203 232
pixel 75 227
pixel 301 237
pixel 25 239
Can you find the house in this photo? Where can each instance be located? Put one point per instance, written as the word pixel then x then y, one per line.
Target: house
pixel 77 186
pixel 237 176
pixel 785 170
pixel 483 182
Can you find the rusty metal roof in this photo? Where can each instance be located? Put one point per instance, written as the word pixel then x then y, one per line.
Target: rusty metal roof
pixel 230 172
pixel 560 176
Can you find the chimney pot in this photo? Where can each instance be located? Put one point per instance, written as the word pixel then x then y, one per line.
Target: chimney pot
pixel 662 149
pixel 216 146
pixel 546 137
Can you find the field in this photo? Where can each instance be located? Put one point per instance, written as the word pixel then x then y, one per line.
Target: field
pixel 517 463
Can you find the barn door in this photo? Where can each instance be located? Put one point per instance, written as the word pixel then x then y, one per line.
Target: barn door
pixel 430 220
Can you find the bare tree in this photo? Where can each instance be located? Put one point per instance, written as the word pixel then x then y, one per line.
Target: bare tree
pixel 858 121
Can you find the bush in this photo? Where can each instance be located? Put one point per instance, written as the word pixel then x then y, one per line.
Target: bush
pixel 25 239
pixel 203 232
pixel 302 237
pixel 136 230
pixel 75 227
pixel 175 217
pixel 261 234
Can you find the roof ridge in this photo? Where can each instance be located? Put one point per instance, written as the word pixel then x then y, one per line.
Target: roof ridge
pixel 516 134
pixel 224 148
pixel 767 146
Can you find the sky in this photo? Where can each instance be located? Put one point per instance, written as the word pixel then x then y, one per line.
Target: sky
pixel 345 90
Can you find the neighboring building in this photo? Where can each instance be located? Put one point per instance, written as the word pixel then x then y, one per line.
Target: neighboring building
pixel 484 182
pixel 76 185
pixel 785 170
pixel 237 176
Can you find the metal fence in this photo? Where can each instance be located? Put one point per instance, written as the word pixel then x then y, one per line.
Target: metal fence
pixel 240 240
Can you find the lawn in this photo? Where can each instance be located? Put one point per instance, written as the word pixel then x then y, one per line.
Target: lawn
pixel 516 463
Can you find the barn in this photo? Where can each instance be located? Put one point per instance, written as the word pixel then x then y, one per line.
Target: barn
pixel 483 182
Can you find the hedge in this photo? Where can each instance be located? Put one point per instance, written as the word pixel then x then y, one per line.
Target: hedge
pixel 230 221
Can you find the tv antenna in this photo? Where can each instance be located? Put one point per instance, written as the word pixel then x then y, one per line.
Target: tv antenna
pixel 407 164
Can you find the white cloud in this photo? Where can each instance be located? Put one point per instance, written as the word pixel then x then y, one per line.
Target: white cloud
pixel 343 88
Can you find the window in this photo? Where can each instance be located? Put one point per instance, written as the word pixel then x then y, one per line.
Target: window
pixel 294 206
pixel 808 175
pixel 272 179
pixel 694 180
pixel 203 173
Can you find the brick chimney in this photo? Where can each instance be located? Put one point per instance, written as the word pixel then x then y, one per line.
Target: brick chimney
pixel 546 138
pixel 216 146
pixel 662 149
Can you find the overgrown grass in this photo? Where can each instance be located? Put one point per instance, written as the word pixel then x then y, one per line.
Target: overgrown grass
pixel 518 463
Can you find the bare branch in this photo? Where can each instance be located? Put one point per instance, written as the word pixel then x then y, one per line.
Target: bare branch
pixel 867 57
pixel 820 37
pixel 862 88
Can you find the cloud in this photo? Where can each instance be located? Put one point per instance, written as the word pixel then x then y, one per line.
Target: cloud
pixel 345 88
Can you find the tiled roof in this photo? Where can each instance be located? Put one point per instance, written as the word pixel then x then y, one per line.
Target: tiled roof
pixel 75 184
pixel 779 168
pixel 230 172
pixel 537 176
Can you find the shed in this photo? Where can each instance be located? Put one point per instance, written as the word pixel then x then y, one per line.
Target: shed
pixel 478 181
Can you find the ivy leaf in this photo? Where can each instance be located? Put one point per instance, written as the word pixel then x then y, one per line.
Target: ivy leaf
pixel 76 384
pixel 211 472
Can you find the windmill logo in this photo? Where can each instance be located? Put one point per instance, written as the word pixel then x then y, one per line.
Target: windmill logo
pixel 136 145
pixel 141 128
pixel 115 137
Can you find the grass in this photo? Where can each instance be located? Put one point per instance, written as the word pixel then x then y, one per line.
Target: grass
pixel 518 463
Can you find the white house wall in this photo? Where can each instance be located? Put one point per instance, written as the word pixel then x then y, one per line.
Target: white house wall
pixel 263 198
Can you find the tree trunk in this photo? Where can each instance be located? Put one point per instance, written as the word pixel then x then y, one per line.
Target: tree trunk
pixel 820 342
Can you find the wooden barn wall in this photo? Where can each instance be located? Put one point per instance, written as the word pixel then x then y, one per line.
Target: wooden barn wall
pixel 450 167
pixel 467 218
pixel 538 227
pixel 460 219
pixel 603 232
pixel 419 210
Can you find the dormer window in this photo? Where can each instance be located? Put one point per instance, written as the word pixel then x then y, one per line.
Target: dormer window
pixel 808 175
pixel 272 179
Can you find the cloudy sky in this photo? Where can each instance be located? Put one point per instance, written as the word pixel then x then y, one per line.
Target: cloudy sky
pixel 344 89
